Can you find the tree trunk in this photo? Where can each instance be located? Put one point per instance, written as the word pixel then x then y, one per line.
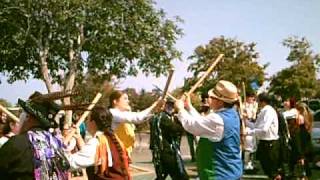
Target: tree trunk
pixel 69 83
pixel 44 68
pixel 74 56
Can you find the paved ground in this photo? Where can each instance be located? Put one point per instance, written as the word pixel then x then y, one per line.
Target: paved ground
pixel 142 157
pixel 143 167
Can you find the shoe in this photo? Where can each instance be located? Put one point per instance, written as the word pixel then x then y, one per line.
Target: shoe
pixel 249 166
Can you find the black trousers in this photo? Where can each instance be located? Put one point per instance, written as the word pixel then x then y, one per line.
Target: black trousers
pixel 268 153
pixel 173 165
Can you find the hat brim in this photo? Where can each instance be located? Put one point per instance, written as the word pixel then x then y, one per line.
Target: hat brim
pixel 227 100
pixel 29 108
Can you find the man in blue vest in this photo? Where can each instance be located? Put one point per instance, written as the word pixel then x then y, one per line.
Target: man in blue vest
pixel 218 151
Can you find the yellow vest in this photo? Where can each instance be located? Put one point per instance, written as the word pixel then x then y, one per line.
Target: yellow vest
pixel 125 132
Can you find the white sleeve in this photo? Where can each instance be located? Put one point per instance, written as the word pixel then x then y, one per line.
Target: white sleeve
pixel 210 126
pixel 86 156
pixel 193 112
pixel 267 119
pixel 132 117
pixel 249 124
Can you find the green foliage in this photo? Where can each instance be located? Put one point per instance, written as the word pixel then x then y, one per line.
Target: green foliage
pixel 142 100
pixel 88 88
pixel 300 50
pixel 239 63
pixel 299 80
pixel 119 37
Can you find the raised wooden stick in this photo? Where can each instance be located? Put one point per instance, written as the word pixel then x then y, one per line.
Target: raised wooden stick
pixel 90 107
pixel 167 94
pixel 205 75
pixel 244 92
pixel 171 96
pixel 241 116
pixel 167 84
pixel 12 116
pixel 82 117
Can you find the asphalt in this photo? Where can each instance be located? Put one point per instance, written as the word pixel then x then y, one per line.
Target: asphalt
pixel 142 167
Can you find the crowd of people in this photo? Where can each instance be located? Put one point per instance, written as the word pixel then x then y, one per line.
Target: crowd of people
pixel 279 137
pixel 37 146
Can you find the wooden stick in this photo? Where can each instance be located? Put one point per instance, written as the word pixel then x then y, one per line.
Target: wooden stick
pixel 90 107
pixel 168 94
pixel 241 115
pixel 205 75
pixel 82 118
pixel 12 116
pixel 172 97
pixel 167 83
pixel 244 101
pixel 244 92
pixel 243 125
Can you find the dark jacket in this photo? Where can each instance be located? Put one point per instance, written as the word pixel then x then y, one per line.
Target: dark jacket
pixel 16 159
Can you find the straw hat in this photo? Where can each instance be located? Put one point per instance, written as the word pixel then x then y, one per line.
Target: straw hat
pixel 224 91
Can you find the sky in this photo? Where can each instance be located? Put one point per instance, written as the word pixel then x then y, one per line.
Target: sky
pixel 265 22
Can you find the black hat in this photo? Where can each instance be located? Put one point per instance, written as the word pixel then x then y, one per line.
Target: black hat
pixel 43 110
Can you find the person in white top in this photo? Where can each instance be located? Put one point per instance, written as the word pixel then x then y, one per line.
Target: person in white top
pixel 124 118
pixel 218 151
pixel 250 108
pixel 121 110
pixel 290 112
pixel 266 130
pixel 85 157
pixel 102 155
pixel 10 129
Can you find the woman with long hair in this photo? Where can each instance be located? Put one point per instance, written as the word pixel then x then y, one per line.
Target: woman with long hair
pixel 300 131
pixel 116 167
pixel 123 118
pixel 103 155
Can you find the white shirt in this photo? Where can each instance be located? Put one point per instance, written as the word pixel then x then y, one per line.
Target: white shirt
pixel 86 156
pixel 290 114
pixel 266 126
pixel 210 126
pixel 4 139
pixel 251 109
pixel 128 116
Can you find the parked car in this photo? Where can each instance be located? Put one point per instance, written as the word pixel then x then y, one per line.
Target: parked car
pixel 314 104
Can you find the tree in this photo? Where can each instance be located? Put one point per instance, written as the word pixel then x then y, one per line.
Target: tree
pixel 60 41
pixel 57 40
pixel 299 80
pixel 239 63
pixel 143 100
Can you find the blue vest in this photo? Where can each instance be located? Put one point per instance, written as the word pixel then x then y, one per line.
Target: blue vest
pixel 222 160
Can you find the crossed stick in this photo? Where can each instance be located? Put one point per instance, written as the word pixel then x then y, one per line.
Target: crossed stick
pixel 12 116
pixel 167 94
pixel 94 102
pixel 166 88
pixel 198 83
pixel 205 75
pixel 83 117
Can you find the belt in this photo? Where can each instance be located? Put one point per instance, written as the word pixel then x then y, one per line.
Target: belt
pixel 267 141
